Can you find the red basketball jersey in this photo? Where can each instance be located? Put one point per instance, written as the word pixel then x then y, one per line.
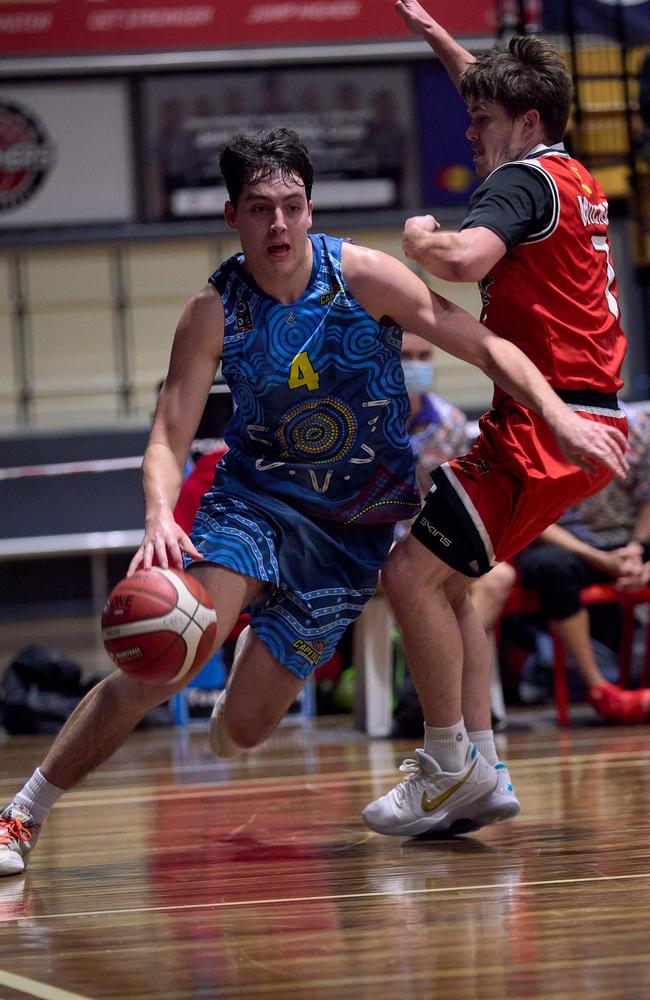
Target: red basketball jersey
pixel 554 295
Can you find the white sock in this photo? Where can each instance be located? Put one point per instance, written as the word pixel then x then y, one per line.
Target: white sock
pixel 448 745
pixel 38 795
pixel 483 739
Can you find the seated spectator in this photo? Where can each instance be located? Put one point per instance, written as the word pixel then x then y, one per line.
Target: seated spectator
pixel 437 428
pixel 605 539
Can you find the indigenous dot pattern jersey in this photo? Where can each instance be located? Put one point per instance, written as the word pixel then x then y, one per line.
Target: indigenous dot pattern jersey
pixel 553 294
pixel 320 404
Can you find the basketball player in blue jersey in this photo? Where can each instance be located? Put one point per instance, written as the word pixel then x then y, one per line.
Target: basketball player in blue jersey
pixel 300 517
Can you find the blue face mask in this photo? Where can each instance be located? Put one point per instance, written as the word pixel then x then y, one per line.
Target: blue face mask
pixel 417 377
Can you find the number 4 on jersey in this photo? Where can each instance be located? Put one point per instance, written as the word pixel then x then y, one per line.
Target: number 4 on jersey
pixel 302 373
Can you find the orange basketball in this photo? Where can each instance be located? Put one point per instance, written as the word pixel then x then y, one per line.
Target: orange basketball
pixel 157 624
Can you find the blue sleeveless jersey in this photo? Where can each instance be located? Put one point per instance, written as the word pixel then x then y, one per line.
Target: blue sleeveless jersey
pixel 320 404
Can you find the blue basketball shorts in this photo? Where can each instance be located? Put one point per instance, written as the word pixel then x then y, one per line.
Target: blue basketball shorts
pixel 320 573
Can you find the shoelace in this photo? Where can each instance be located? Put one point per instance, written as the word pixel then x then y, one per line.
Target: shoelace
pixel 410 766
pixel 14 829
pixel 414 770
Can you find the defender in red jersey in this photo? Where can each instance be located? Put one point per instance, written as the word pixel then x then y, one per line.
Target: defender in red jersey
pixel 535 238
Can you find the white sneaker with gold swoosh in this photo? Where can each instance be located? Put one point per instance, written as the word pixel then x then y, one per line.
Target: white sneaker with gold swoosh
pixel 501 804
pixel 431 801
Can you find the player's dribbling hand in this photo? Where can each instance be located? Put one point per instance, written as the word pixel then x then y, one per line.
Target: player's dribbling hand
pixel 590 445
pixel 415 228
pixel 165 541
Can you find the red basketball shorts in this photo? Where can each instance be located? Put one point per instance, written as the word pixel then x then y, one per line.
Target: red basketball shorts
pixel 485 506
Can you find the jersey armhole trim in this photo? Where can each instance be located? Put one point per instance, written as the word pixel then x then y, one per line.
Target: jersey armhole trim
pixel 552 225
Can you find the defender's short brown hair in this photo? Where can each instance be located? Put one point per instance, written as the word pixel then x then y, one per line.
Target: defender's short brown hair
pixel 529 73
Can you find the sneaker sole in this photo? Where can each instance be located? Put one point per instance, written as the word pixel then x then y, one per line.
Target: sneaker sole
pixel 431 826
pixel 496 815
pixel 9 867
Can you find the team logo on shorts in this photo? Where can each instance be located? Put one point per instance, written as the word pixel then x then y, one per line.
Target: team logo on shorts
pixel 311 651
pixel 470 467
pixel 483 286
pixel 27 154
pixel 435 532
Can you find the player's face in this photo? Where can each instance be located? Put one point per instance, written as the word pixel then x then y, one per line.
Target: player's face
pixel 495 137
pixel 273 218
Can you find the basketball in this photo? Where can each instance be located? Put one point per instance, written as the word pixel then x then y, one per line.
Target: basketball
pixel 157 624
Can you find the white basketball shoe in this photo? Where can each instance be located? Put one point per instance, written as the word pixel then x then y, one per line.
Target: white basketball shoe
pixel 432 802
pixel 18 836
pixel 501 804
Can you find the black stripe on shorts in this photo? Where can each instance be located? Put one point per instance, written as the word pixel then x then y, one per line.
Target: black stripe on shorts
pixel 445 527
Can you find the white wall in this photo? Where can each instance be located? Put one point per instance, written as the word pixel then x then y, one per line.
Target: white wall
pixel 72 327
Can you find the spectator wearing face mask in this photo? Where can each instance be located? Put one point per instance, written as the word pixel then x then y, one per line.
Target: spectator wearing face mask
pixel 436 427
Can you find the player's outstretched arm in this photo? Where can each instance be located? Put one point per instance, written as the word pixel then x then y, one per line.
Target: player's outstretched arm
pixel 387 288
pixel 466 255
pixel 452 55
pixel 194 357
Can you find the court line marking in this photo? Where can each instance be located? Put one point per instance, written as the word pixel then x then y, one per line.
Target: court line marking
pixel 638 755
pixel 331 898
pixel 359 742
pixel 35 989
pixel 66 468
pixel 292 783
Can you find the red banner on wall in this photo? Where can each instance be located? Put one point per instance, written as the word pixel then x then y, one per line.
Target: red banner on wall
pixel 67 27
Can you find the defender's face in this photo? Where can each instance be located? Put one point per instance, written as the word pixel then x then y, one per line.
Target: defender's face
pixel 495 137
pixel 272 218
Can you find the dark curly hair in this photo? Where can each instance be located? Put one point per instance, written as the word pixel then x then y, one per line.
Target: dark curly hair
pixel 529 73
pixel 248 159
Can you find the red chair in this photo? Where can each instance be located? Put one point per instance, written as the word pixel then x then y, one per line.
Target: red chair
pixel 523 601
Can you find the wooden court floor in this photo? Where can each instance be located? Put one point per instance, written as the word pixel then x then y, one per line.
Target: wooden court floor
pixel 170 875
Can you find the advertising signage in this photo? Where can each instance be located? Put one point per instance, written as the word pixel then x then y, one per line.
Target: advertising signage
pixel 55 143
pixel 66 27
pixel 358 123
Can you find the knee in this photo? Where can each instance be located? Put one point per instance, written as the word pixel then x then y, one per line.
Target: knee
pixel 231 732
pixel 119 692
pixel 397 575
pixel 245 734
pixel 498 583
pixel 222 742
pixel 504 576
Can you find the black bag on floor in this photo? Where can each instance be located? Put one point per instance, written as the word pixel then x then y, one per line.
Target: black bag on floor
pixel 39 690
pixel 41 687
